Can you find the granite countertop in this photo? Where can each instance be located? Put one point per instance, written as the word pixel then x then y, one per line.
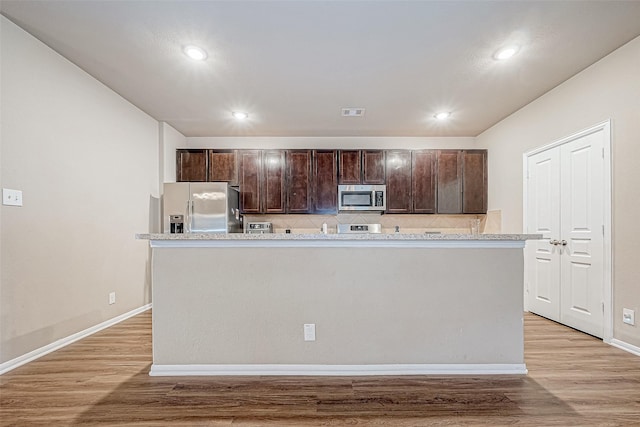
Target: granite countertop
pixel 318 236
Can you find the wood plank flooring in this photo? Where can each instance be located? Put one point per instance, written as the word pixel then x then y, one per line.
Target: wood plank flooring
pixel 574 379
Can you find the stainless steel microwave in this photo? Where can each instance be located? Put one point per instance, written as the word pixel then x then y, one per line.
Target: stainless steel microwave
pixel 362 198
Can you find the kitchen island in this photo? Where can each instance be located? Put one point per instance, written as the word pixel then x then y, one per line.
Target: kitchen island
pixel 387 304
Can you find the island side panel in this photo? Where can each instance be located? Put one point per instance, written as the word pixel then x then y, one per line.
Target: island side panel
pixel 370 305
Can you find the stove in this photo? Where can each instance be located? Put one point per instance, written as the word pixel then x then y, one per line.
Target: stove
pixel 359 228
pixel 258 227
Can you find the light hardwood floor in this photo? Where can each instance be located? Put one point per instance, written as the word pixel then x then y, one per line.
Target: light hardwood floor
pixel 574 379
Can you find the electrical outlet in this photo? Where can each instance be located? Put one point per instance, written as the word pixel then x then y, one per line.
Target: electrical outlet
pixel 310 332
pixel 11 197
pixel 112 298
pixel 628 316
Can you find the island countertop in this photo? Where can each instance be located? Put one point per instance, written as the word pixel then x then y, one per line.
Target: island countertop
pixel 336 237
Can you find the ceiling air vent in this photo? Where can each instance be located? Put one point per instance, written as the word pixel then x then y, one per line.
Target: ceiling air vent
pixel 352 112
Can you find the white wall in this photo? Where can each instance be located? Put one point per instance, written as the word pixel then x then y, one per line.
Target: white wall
pixel 609 89
pixel 87 163
pixel 170 140
pixel 407 143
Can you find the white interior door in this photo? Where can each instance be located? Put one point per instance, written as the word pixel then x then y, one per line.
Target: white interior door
pixel 581 219
pixel 543 266
pixel 565 203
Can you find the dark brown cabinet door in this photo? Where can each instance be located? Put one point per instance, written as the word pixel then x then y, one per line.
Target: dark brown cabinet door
pixel 223 166
pixel 373 166
pixel 250 181
pixel 449 181
pixel 398 172
pixel 274 181
pixel 423 181
pixel 474 181
pixel 361 167
pixel 191 165
pixel 349 167
pixel 299 181
pixel 325 181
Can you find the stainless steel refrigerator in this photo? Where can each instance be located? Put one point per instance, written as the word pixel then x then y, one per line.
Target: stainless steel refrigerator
pixel 207 207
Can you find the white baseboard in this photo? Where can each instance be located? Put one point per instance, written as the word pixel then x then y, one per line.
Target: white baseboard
pixel 625 346
pixel 56 345
pixel 339 370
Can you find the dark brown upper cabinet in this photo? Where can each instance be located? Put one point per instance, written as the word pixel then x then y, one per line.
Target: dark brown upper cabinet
pixel 462 181
pixel 274 181
pixel 361 167
pixel 191 165
pixel 423 181
pixel 449 181
pixel 474 181
pixel 262 181
pixel 411 181
pixel 325 181
pixel 398 171
pixel 373 166
pixel 299 180
pixel 223 166
pixel 350 167
pixel 250 180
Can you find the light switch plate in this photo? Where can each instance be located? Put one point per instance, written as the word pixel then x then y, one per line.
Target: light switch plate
pixel 11 197
pixel 628 316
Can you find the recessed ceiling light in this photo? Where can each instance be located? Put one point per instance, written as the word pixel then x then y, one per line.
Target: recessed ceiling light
pixel 442 116
pixel 505 53
pixel 240 115
pixel 194 52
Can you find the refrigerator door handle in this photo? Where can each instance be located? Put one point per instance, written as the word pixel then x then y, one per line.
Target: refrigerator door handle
pixel 189 216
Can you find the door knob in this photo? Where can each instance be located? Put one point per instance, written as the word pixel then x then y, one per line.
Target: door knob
pixel 554 242
pixel 563 243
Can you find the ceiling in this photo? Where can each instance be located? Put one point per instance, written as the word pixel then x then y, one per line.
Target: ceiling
pixel 293 65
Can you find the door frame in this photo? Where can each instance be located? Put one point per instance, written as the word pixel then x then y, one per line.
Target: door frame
pixel 605 127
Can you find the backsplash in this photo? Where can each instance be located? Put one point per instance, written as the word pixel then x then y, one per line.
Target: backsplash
pixel 389 222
